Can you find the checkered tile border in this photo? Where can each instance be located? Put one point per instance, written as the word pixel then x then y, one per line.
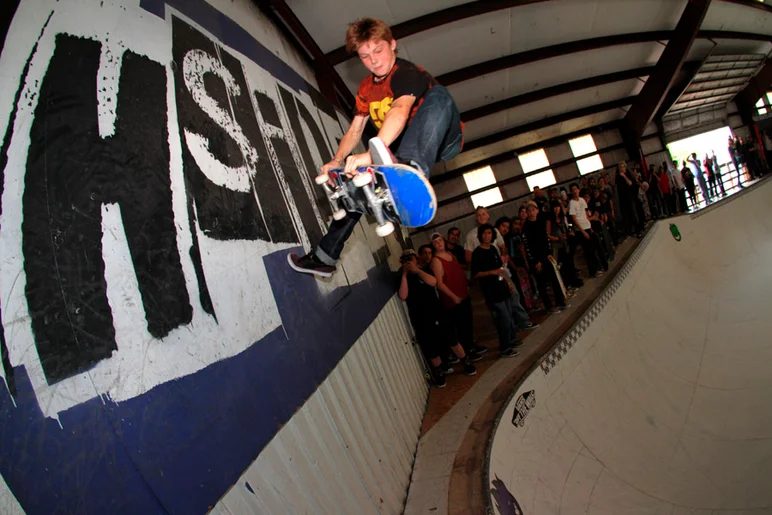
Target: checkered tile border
pixel 563 346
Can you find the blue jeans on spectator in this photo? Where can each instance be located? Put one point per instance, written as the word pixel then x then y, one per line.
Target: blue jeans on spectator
pixel 505 325
pixel 434 134
pixel 519 314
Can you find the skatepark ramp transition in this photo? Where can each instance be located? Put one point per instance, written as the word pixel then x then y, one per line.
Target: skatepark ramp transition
pixel 658 399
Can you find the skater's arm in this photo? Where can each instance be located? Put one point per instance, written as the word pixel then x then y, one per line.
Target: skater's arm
pixel 350 140
pixel 396 118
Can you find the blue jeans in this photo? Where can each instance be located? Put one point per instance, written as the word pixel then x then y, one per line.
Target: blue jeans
pixel 505 324
pixel 434 134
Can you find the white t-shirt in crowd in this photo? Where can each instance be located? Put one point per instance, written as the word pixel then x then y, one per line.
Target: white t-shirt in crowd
pixel 472 242
pixel 578 208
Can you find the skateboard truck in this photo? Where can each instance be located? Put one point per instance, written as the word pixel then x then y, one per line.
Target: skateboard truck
pixel 338 213
pixel 377 203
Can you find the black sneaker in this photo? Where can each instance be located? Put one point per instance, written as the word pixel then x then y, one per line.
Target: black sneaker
pixel 479 349
pixel 446 369
pixel 470 369
pixel 473 356
pixel 530 325
pixel 309 264
pixel 452 359
pixel 380 153
pixel 517 343
pixel 508 353
pixel 439 378
pixel 564 307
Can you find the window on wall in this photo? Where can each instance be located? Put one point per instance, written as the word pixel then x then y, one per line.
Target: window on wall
pixel 760 107
pixel 481 178
pixel 536 160
pixel 582 146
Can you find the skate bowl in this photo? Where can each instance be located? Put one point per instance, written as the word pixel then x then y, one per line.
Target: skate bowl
pixel 657 400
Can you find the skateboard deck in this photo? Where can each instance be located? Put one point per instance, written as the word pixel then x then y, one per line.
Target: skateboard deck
pixel 560 277
pixel 394 193
pixel 525 286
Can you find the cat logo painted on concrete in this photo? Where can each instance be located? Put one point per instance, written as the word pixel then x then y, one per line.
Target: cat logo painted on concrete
pixel 523 406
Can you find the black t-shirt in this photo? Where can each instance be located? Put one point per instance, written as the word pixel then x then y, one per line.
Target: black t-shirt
pixel 537 244
pixel 423 304
pixel 494 287
pixel 458 252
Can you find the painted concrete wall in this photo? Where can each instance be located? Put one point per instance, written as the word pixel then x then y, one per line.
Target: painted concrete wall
pixel 156 168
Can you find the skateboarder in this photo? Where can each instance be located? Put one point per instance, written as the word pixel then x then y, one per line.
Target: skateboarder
pixel 412 113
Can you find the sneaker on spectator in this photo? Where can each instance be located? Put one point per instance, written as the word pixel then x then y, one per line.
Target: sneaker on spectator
pixel 452 359
pixel 529 325
pixel 564 307
pixel 517 344
pixel 473 356
pixel 447 369
pixel 469 368
pixel 309 264
pixel 508 353
pixel 554 311
pixel 479 349
pixel 438 378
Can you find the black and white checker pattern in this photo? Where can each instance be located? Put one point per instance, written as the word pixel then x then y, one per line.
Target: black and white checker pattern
pixel 564 345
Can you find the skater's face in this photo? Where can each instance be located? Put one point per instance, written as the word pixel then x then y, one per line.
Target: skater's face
pixel 378 56
pixel 482 216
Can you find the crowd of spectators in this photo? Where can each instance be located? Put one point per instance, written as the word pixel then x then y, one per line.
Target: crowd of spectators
pixel 528 262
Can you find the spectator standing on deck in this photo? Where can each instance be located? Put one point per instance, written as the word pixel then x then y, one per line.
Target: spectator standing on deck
pixel 627 189
pixel 454 294
pixel 432 330
pixel 482 217
pixel 733 155
pixel 717 173
pixel 663 182
pixel 577 209
pixel 697 170
pixel 538 248
pixel 688 178
pixel 680 188
pixel 453 246
pixel 490 271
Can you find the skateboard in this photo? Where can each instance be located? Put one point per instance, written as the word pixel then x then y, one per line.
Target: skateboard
pixel 560 277
pixel 393 193
pixel 525 285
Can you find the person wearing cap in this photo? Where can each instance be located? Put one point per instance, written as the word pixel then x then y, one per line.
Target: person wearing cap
pixel 432 330
pixel 454 294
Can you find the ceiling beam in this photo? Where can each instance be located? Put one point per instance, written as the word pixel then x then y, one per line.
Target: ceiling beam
pixel 756 88
pixel 668 66
pixel 546 122
pixel 330 83
pixel 470 9
pixel 510 154
pixel 560 89
pixel 561 49
pixel 437 19
pixel 548 52
pixel 688 71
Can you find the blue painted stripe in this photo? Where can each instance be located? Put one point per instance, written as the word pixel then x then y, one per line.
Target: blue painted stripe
pixel 231 34
pixel 180 446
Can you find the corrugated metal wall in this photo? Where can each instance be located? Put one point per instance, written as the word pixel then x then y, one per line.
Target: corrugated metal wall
pixel 350 448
